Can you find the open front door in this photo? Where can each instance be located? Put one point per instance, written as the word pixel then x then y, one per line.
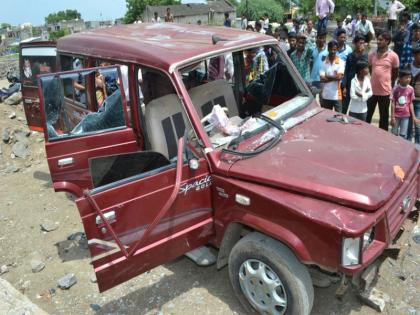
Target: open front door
pixel 35 58
pixel 83 117
pixel 137 223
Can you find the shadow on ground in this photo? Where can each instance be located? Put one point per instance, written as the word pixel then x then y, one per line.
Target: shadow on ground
pixel 45 177
pixel 74 248
pixel 186 276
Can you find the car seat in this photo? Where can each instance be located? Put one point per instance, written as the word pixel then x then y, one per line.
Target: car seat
pixel 165 122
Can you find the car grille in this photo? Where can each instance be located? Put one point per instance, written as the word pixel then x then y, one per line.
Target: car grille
pixel 395 213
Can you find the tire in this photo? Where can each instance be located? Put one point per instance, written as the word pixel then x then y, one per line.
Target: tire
pixel 270 275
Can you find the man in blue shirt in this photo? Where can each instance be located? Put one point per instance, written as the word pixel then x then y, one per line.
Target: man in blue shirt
pixel 407 56
pixel 319 54
pixel 343 50
pixel 227 22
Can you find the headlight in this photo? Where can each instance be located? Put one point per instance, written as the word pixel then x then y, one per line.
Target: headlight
pixel 350 251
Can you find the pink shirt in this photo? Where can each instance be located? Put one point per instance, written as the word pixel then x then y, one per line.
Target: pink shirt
pixel 381 72
pixel 402 96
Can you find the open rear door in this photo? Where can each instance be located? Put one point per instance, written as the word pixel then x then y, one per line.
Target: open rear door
pixel 83 117
pixel 34 59
pixel 137 223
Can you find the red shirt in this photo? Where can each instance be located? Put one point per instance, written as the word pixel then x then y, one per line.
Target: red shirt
pixel 381 72
pixel 402 96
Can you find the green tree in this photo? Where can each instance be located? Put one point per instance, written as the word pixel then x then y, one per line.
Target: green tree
pixel 307 7
pixel 257 8
pixel 5 25
pixel 36 31
pixel 135 8
pixel 60 33
pixel 62 15
pixel 412 5
pixel 345 7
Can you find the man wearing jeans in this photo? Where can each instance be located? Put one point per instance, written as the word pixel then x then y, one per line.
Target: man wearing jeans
pixel 383 65
pixel 323 8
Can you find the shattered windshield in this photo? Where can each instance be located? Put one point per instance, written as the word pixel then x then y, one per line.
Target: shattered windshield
pixel 231 93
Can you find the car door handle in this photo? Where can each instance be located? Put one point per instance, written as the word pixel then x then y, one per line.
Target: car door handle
pixel 109 216
pixel 66 161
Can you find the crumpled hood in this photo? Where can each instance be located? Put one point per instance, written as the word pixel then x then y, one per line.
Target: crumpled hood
pixel 351 164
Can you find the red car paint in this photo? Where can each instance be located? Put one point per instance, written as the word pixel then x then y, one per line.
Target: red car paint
pixel 322 182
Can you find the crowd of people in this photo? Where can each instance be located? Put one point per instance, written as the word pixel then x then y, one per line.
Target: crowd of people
pixel 350 76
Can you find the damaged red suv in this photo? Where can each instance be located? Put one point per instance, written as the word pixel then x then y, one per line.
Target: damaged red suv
pixel 173 137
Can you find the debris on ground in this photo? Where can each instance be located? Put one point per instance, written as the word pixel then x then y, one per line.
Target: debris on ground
pixel 11 169
pixel 416 234
pixel 67 281
pixel 3 269
pixel 20 149
pixel 93 278
pixel 375 299
pixel 37 265
pixel 78 236
pixel 14 99
pixel 24 285
pixel 95 307
pixel 5 135
pixel 48 226
pixel 14 302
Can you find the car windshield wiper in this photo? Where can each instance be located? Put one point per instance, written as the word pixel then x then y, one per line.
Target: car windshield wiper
pixel 245 154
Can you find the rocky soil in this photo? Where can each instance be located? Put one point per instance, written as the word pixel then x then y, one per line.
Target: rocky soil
pixel 43 255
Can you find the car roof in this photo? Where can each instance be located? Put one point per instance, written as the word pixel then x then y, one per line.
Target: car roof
pixel 160 45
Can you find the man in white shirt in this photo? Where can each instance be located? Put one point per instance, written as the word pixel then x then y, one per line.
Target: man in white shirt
pixel 394 8
pixel 332 71
pixel 156 18
pixel 365 28
pixel 266 22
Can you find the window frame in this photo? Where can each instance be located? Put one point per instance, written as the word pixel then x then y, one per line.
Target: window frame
pixel 89 133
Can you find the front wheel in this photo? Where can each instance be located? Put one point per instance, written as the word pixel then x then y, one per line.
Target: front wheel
pixel 268 279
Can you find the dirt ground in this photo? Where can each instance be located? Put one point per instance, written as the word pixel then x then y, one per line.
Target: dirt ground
pixel 179 287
